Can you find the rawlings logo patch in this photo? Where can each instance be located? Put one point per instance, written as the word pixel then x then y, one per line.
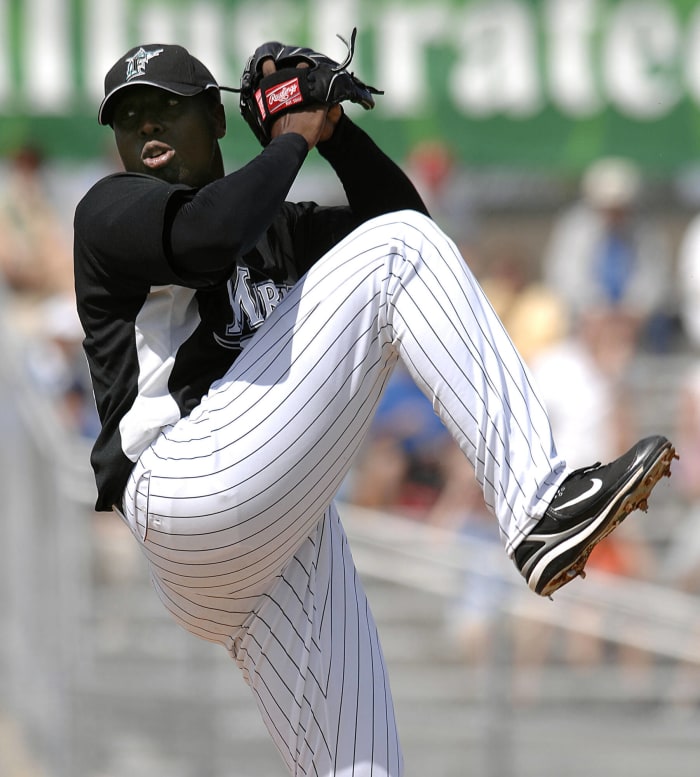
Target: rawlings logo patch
pixel 283 95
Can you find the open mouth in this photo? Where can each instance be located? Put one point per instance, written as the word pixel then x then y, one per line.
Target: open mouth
pixel 156 155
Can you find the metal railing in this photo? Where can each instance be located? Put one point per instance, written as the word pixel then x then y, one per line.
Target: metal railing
pixel 635 613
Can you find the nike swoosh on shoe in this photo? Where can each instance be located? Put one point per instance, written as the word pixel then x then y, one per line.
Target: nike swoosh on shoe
pixel 596 485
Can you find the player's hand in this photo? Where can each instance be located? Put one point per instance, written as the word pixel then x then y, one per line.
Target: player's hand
pixel 315 123
pixel 332 118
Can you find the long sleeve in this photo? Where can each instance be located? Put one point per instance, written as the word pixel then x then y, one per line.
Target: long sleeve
pixel 227 217
pixel 374 184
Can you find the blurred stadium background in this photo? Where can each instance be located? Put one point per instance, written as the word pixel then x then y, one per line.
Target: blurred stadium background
pixel 497 108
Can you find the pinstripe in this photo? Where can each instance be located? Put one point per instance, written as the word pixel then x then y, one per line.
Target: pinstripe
pixel 241 535
pixel 497 354
pixel 447 358
pixel 346 694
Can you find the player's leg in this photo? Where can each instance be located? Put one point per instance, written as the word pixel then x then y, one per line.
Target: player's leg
pixel 235 487
pixel 311 655
pixel 280 431
pixel 225 498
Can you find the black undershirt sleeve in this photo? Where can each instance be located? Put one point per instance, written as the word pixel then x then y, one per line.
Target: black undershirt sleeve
pixel 374 184
pixel 206 229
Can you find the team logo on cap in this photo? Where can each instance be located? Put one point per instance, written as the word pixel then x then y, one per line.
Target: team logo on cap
pixel 136 65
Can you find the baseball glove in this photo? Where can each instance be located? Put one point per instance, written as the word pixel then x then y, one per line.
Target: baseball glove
pixel 303 77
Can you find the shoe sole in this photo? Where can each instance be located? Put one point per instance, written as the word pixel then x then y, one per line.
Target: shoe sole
pixel 636 499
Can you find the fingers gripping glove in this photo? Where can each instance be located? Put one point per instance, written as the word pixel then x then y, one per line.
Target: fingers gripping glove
pixel 303 77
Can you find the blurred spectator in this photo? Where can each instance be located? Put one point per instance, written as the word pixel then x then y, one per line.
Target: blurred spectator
pixel 583 381
pixel 604 252
pixel 474 616
pixel 445 188
pixel 400 465
pixel 57 364
pixel 35 243
pixel 36 266
pixel 682 560
pixel 688 275
pixel 534 316
pixel 379 472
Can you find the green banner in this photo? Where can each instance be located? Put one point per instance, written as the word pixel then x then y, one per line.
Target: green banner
pixel 537 84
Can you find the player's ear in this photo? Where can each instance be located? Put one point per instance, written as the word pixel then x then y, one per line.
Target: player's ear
pixel 216 113
pixel 219 119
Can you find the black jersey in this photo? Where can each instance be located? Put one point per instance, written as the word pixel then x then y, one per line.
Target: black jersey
pixel 171 281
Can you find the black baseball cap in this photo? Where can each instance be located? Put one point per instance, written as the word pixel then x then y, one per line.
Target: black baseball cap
pixel 164 65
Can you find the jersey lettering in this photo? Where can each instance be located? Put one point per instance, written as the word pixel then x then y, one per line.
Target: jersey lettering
pixel 243 303
pixel 269 295
pixel 251 303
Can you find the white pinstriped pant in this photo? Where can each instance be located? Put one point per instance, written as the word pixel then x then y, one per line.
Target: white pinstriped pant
pixel 233 505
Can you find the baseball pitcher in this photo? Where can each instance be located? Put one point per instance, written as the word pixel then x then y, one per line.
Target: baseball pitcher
pixel 239 344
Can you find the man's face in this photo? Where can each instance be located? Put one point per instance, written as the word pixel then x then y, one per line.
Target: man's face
pixel 170 137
